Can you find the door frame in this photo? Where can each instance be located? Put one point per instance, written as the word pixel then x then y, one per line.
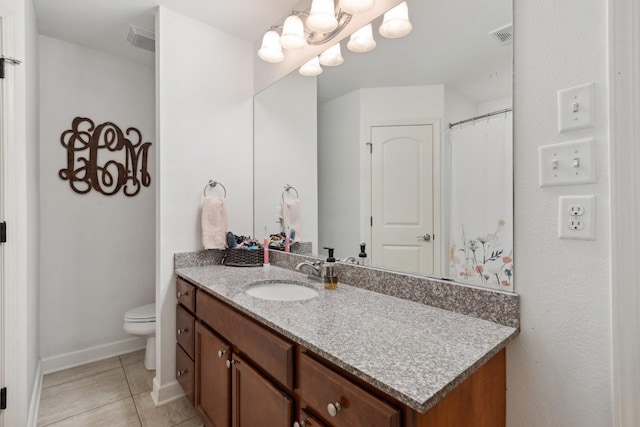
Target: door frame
pixel 366 207
pixel 624 141
pixel 14 272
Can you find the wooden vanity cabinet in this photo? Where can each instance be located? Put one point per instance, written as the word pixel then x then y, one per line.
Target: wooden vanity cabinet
pixel 248 375
pixel 213 377
pixel 185 328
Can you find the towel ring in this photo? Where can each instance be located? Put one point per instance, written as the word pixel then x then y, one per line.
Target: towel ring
pixel 213 184
pixel 287 187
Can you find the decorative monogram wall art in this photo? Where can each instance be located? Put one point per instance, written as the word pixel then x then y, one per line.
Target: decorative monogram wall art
pixel 104 158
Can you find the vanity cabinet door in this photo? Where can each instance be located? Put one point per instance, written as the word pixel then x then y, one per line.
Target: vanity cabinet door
pixel 184 372
pixel 340 401
pixel 256 401
pixel 213 378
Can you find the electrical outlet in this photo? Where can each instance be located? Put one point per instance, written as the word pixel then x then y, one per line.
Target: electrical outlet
pixel 576 218
pixel 576 210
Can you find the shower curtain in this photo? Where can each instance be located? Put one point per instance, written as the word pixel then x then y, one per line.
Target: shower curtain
pixel 481 202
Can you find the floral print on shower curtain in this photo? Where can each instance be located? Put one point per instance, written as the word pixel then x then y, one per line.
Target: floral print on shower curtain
pixel 481 203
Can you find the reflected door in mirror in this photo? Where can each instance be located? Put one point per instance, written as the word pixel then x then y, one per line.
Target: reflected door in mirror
pixel 402 201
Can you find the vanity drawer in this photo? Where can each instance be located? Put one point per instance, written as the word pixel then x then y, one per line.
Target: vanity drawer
pixel 185 373
pixel 272 353
pixel 308 420
pixel 185 324
pixel 186 294
pixel 321 386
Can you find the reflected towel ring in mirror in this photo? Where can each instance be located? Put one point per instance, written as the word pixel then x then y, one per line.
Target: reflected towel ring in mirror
pixel 213 184
pixel 287 187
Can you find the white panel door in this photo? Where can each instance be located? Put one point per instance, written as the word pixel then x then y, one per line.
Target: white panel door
pixel 402 198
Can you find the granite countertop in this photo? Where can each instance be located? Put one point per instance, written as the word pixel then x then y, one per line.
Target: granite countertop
pixel 413 352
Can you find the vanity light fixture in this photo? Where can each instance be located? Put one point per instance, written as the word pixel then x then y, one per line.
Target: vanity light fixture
pixel 271 51
pixel 362 40
pixel 332 56
pixel 396 23
pixel 356 6
pixel 322 18
pixel 311 68
pixel 293 33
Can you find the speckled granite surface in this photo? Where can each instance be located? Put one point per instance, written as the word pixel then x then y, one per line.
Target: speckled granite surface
pixel 362 331
pixel 487 304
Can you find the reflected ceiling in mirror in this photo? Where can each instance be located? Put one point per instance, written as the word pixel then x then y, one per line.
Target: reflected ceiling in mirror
pixel 376 159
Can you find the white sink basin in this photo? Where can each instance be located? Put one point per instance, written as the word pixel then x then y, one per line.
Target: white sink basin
pixel 282 291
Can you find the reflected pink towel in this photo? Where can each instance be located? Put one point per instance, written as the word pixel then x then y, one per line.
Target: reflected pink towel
pixel 291 217
pixel 214 223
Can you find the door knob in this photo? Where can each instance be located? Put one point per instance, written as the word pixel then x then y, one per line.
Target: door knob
pixel 221 353
pixel 182 331
pixel 426 237
pixel 229 363
pixel 180 373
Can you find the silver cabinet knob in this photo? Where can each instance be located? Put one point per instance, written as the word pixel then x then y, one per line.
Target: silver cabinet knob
pixel 182 331
pixel 334 408
pixel 183 294
pixel 229 363
pixel 180 373
pixel 221 353
pixel 299 424
pixel 426 237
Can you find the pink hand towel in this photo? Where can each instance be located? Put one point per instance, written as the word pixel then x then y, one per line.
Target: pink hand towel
pixel 291 217
pixel 214 223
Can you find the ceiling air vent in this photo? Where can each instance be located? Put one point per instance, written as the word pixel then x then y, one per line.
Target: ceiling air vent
pixel 142 38
pixel 504 35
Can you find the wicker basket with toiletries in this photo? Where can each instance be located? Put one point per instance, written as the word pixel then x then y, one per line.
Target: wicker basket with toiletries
pixel 241 257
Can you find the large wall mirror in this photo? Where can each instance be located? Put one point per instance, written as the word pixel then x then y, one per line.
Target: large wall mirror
pixel 376 154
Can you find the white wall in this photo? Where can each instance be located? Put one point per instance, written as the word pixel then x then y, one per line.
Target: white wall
pixel 339 153
pixel 285 149
pixel 559 368
pixel 97 250
pixel 205 130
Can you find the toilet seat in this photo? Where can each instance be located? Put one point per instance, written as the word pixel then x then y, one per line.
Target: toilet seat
pixel 143 314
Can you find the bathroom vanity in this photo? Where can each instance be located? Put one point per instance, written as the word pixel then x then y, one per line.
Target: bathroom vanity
pixel 348 357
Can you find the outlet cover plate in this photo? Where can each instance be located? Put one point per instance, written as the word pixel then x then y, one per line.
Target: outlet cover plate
pixel 580 227
pixel 557 163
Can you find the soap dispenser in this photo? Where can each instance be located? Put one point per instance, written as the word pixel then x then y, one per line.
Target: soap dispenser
pixel 362 256
pixel 330 277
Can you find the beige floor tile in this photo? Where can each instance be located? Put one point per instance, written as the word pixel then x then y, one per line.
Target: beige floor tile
pixel 78 372
pixel 68 399
pixel 138 377
pixel 117 414
pixel 168 415
pixel 193 422
pixel 129 358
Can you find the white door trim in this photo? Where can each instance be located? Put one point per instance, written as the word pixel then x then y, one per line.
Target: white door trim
pixel 14 309
pixel 624 142
pixel 365 181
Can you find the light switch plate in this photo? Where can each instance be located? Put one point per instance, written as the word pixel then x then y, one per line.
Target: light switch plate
pixel 576 217
pixel 576 108
pixel 567 163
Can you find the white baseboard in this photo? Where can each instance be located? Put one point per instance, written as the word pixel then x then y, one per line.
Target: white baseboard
pixel 162 395
pixel 91 354
pixel 32 421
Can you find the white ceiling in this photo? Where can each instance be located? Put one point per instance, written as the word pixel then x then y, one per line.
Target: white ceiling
pixel 104 24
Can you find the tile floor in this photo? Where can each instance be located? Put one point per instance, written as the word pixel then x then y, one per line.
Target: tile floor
pixel 112 392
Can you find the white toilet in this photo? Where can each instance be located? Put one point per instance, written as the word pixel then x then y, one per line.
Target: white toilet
pixel 141 321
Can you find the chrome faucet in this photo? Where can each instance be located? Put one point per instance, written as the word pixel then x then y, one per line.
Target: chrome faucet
pixel 316 268
pixel 350 259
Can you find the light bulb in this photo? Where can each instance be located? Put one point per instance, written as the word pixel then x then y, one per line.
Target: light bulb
pixel 293 33
pixel 396 22
pixel 322 18
pixel 311 68
pixel 362 40
pixel 356 6
pixel 332 56
pixel 271 50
